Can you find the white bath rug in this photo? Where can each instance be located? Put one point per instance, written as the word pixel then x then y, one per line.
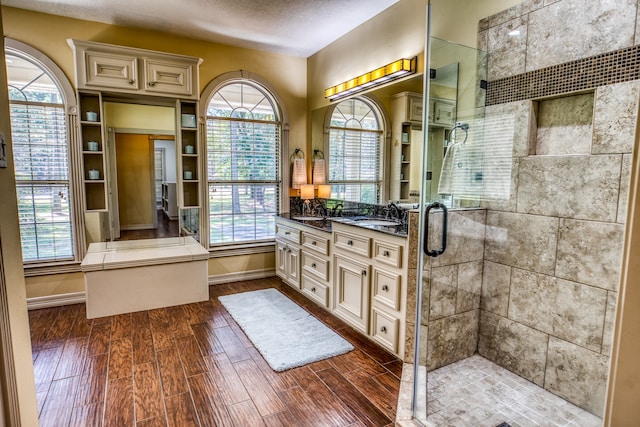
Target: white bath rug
pixel 284 333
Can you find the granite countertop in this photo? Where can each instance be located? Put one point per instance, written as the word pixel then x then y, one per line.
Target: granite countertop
pixel 371 223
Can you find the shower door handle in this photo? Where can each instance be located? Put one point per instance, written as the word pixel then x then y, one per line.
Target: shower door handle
pixel 425 243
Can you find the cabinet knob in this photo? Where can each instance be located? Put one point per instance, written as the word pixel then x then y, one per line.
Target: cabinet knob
pixel 287 233
pixel 313 243
pixel 313 265
pixel 350 242
pixel 289 250
pixel 364 272
pixel 385 288
pixel 383 329
pixel 131 81
pixel 385 253
pixel 313 289
pixel 152 83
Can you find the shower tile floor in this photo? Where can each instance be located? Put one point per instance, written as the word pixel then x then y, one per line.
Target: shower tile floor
pixel 476 392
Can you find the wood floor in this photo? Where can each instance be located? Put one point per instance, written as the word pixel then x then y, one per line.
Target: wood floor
pixel 191 365
pixel 166 228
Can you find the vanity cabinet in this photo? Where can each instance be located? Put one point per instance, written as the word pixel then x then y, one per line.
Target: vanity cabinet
pixel 370 283
pixel 102 66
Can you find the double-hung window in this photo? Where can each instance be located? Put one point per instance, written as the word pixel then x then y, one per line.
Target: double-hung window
pixel 41 158
pixel 355 152
pixel 243 157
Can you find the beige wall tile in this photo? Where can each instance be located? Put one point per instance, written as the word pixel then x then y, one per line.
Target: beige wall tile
pixel 609 323
pixel 625 178
pixel 444 284
pixel 507 52
pixel 469 286
pixel 614 122
pixel 577 374
pixel 524 241
pixel 580 187
pixel 574 29
pixel 452 338
pixel 590 252
pixel 465 237
pixel 514 346
pixel 496 280
pixel 568 310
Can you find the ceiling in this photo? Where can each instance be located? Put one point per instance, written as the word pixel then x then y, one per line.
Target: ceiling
pixel 292 27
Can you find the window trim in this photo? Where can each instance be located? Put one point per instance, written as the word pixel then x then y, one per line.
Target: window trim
pixel 23 50
pixel 214 85
pixel 385 137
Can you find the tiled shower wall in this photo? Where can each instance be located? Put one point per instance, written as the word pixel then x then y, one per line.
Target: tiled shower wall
pixel 552 251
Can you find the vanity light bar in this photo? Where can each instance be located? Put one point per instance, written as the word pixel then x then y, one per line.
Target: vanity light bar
pixel 400 68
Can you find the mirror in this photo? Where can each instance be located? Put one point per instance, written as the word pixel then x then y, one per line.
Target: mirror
pixel 141 156
pixel 454 95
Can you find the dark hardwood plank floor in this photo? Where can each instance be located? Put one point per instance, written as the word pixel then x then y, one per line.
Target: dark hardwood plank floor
pixel 191 365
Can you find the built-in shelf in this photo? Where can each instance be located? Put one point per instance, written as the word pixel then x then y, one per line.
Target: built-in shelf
pixel 93 160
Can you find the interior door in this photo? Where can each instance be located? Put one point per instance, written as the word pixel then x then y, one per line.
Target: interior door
pixel 135 171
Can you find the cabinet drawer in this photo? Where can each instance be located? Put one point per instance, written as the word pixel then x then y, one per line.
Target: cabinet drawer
pixel 353 243
pixel 386 288
pixel 111 70
pixel 315 290
pixel 387 253
pixel 167 77
pixel 315 243
pixel 384 329
pixel 287 233
pixel 315 265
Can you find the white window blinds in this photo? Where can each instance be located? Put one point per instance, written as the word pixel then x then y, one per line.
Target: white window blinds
pixel 243 165
pixel 355 152
pixel 42 178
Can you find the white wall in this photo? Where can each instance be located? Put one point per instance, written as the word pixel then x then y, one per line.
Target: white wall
pixel 170 158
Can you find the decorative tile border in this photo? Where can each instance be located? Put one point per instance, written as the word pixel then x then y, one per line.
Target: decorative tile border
pixel 580 75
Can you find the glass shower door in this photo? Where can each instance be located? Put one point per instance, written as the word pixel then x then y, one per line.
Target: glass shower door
pixel 450 229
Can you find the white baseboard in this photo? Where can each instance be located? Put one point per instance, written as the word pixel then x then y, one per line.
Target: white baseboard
pixel 79 297
pixel 135 227
pixel 239 276
pixel 55 300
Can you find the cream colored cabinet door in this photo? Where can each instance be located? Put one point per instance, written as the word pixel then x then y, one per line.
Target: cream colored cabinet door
pixel 281 260
pixel 168 78
pixel 111 70
pixel 351 286
pixel 293 266
pixel 288 263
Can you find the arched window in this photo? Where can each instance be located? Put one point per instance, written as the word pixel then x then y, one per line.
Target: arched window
pixel 355 151
pixel 243 134
pixel 39 132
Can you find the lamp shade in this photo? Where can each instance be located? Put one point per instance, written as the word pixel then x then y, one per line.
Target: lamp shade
pixel 307 192
pixel 299 175
pixel 319 172
pixel 324 191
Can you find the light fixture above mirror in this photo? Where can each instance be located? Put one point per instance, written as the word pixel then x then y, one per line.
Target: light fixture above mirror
pixel 395 70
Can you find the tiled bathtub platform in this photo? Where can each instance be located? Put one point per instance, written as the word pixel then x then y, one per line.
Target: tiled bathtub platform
pixel 477 393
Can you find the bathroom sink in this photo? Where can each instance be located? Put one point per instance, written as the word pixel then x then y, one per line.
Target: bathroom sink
pixel 373 221
pixel 309 218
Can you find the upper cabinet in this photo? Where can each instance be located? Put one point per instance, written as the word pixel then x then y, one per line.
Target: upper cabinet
pixel 101 66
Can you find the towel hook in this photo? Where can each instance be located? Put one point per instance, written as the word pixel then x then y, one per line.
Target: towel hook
pixel 298 154
pixel 317 154
pixel 462 126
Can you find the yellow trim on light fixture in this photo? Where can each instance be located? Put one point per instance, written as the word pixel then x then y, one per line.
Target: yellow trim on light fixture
pixel 396 69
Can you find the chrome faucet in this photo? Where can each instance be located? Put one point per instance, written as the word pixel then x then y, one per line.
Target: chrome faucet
pixel 394 210
pixel 335 209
